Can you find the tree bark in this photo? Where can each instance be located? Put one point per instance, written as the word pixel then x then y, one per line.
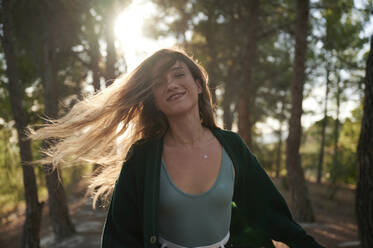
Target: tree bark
pixel 279 146
pixel 94 52
pixel 364 191
pixel 231 90
pixel 244 125
pixel 58 208
pixel 227 112
pixel 279 151
pixel 111 55
pixel 211 41
pixel 300 202
pixel 335 166
pixel 31 228
pixel 323 128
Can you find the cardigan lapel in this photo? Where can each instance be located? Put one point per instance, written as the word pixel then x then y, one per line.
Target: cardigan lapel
pixel 152 156
pixel 228 145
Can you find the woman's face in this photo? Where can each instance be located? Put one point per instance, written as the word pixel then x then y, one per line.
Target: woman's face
pixel 176 93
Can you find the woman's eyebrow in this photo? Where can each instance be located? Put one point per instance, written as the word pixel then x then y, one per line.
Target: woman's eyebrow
pixel 176 68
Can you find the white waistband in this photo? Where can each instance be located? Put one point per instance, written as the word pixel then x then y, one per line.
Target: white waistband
pixel 168 244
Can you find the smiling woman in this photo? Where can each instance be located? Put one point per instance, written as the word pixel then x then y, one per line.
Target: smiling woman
pixel 184 182
pixel 177 91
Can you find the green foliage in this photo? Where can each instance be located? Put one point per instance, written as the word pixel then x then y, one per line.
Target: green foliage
pixel 11 175
pixel 11 184
pixel 346 169
pixel 262 152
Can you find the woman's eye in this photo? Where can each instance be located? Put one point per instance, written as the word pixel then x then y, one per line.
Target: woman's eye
pixel 178 75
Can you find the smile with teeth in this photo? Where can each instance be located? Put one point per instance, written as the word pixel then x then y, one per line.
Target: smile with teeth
pixel 175 96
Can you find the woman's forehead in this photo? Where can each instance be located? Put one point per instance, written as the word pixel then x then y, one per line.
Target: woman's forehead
pixel 178 65
pixel 167 65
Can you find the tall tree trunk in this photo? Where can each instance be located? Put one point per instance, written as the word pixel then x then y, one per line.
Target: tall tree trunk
pixel 244 125
pixel 323 127
pixel 335 166
pixel 230 92
pixel 211 41
pixel 300 202
pixel 279 151
pixel 111 55
pixel 58 209
pixel 31 228
pixel 279 146
pixel 94 52
pixel 227 112
pixel 212 68
pixel 364 191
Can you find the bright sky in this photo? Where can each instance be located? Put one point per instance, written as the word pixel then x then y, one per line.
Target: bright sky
pixel 132 43
pixel 134 46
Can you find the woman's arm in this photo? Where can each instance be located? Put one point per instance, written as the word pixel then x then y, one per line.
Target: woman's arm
pixel 281 225
pixel 123 226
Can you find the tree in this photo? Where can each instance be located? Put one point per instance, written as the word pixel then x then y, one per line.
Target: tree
pixel 279 146
pixel 323 128
pixel 300 201
pixel 340 31
pixel 50 42
pixel 57 26
pixel 108 10
pixel 245 102
pixel 94 50
pixel 31 228
pixel 111 56
pixel 364 191
pixel 335 166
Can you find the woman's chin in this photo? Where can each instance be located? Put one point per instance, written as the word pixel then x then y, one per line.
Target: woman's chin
pixel 182 111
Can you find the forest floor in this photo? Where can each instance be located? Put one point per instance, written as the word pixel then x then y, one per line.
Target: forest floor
pixel 335 224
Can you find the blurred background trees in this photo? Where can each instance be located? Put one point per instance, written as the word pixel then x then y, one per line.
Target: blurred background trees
pixel 55 52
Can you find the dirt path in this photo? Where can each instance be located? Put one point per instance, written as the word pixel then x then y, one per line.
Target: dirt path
pixel 88 224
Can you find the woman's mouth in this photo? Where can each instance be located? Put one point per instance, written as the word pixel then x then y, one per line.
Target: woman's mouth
pixel 175 96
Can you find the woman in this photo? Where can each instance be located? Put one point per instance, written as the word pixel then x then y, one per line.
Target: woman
pixel 184 182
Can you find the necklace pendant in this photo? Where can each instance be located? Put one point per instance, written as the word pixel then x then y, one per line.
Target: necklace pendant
pixel 205 156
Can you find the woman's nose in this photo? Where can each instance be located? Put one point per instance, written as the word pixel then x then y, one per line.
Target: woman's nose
pixel 170 83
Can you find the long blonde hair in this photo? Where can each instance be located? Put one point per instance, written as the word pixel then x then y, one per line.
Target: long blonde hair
pixel 90 131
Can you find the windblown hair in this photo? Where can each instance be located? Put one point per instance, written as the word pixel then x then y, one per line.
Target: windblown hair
pixel 101 128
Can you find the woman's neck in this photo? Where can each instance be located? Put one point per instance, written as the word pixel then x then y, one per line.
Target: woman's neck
pixel 185 130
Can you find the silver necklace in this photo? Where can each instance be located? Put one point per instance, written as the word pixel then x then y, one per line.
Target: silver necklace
pixel 205 156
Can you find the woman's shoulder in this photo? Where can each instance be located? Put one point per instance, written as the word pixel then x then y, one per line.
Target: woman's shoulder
pixel 223 132
pixel 229 136
pixel 143 145
pixel 233 142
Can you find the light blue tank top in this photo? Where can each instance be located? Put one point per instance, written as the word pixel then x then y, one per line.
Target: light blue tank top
pixel 196 220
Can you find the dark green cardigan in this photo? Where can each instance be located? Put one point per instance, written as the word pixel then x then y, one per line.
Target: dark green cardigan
pixel 259 212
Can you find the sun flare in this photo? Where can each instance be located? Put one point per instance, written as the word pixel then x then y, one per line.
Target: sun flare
pixel 128 28
pixel 131 42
